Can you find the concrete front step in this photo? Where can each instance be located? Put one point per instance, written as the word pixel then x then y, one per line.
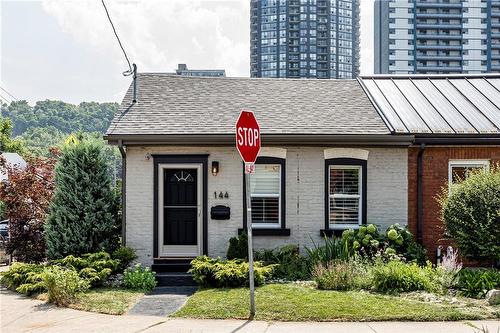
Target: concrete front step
pixel 174 279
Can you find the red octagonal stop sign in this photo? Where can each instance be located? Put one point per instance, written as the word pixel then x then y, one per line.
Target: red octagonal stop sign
pixel 248 136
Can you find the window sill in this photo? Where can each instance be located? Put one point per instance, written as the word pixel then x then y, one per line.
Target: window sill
pixel 337 231
pixel 267 231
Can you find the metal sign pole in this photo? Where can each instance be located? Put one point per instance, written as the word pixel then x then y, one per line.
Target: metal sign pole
pixel 250 248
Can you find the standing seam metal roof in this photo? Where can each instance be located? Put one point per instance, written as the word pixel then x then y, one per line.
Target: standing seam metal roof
pixel 418 104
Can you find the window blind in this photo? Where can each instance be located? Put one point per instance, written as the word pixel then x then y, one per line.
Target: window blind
pixel 265 188
pixel 345 194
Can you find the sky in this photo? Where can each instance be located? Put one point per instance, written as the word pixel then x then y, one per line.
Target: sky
pixel 66 50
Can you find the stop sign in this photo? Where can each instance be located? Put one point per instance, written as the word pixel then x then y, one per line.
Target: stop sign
pixel 248 136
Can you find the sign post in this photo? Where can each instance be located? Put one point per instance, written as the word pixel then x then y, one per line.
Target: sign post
pixel 248 145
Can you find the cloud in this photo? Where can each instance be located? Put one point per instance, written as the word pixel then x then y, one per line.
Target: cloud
pixel 158 35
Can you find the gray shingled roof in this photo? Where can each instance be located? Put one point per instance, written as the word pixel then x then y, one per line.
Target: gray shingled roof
pixel 169 104
pixel 438 104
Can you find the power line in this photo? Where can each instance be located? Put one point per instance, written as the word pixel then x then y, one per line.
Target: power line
pixel 130 70
pixel 5 99
pixel 8 93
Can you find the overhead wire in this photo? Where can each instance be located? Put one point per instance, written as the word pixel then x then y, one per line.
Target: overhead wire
pixel 130 71
pixel 8 93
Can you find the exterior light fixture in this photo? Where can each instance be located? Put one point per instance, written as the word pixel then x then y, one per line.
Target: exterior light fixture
pixel 215 168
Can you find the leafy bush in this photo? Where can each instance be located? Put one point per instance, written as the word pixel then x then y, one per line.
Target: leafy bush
pixel 397 276
pixel 62 284
pixel 210 272
pixel 83 215
pixel 125 255
pixel 366 240
pixel 290 266
pixel 24 278
pixel 139 278
pixel 238 247
pixel 401 240
pixel 338 275
pixel 332 249
pixel 93 267
pixel 471 213
pixel 476 282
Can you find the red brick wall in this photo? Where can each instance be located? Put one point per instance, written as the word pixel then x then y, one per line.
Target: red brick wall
pixel 435 176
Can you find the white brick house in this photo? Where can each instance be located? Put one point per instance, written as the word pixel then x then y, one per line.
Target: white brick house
pixel 328 163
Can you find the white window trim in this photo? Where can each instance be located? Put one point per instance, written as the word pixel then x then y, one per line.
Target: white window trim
pixel 269 225
pixel 464 163
pixel 359 196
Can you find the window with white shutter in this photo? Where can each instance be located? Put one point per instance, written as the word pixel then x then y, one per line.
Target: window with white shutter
pixel 265 192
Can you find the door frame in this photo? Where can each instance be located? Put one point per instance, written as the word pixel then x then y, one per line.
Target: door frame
pixel 177 160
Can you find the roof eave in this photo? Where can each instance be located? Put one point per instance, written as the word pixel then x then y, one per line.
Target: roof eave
pixel 267 139
pixel 454 139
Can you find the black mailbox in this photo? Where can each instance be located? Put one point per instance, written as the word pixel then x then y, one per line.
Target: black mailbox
pixel 220 212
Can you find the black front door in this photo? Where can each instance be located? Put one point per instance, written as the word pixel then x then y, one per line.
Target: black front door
pixel 180 207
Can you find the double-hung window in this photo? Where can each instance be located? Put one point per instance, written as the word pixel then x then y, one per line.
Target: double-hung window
pixel 265 193
pixel 459 170
pixel 346 193
pixel 267 197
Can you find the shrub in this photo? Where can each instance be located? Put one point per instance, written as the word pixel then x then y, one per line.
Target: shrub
pixel 332 249
pixel 290 266
pixel 62 284
pixel 83 215
pixel 336 275
pixel 24 278
pixel 26 198
pixel 476 282
pixel 401 240
pixel 471 213
pixel 238 247
pixel 93 267
pixel 125 255
pixel 366 240
pixel 397 276
pixel 139 278
pixel 209 272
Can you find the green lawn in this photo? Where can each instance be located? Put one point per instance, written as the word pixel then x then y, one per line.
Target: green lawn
pixel 290 302
pixel 106 300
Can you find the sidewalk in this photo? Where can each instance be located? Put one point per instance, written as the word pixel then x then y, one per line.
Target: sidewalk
pixel 22 314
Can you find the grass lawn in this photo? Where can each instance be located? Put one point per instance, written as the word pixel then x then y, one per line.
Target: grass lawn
pixel 290 302
pixel 113 301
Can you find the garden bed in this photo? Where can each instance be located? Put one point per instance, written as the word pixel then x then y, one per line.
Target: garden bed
pixel 296 302
pixel 114 301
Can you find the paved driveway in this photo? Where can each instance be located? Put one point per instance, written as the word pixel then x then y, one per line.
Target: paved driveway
pixel 22 314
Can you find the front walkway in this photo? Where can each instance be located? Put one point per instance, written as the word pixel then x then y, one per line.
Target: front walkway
pixel 23 314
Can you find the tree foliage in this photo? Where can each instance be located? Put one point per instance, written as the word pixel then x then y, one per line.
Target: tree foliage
pixel 83 215
pixel 61 116
pixel 7 143
pixel 26 196
pixel 471 213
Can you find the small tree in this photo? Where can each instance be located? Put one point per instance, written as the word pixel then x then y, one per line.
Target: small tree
pixel 26 196
pixel 83 215
pixel 471 213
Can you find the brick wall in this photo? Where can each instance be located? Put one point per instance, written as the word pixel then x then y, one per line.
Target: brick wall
pixel 435 176
pixel 386 194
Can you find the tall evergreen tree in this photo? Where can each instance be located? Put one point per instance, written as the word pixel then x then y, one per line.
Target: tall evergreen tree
pixel 83 215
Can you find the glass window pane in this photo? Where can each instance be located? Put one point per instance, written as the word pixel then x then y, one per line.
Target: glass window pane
pixel 265 179
pixel 265 192
pixel 344 210
pixel 265 210
pixel 344 180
